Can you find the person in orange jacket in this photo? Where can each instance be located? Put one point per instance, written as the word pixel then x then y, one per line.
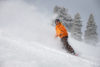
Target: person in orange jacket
pixel 61 32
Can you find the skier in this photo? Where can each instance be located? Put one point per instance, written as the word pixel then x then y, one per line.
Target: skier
pixel 63 34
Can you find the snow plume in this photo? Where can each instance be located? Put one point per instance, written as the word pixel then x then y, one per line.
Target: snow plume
pixel 21 20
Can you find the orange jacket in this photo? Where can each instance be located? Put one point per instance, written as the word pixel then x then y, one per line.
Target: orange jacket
pixel 61 31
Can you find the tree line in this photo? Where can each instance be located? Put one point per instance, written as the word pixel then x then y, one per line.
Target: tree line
pixel 74 25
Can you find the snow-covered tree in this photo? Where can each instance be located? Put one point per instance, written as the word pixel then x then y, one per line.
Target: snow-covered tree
pixel 91 36
pixel 63 15
pixel 76 27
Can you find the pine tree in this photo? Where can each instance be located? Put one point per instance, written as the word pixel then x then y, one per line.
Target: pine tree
pixel 76 28
pixel 91 36
pixel 63 15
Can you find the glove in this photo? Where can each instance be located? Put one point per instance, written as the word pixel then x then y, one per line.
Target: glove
pixel 56 35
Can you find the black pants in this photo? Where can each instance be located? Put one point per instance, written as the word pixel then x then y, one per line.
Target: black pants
pixel 66 45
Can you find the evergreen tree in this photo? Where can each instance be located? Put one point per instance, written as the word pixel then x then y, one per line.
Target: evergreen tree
pixel 91 36
pixel 63 15
pixel 76 27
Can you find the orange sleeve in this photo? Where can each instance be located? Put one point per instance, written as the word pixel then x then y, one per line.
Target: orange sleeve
pixel 57 31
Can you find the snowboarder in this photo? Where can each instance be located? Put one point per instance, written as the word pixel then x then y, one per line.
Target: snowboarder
pixel 63 34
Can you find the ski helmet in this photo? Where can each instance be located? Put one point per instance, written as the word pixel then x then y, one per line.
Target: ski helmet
pixel 57 20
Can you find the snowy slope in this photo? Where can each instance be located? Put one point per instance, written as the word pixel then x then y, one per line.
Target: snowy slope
pixel 27 40
pixel 29 54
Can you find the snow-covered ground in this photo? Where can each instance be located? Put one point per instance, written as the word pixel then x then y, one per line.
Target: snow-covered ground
pixel 27 39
